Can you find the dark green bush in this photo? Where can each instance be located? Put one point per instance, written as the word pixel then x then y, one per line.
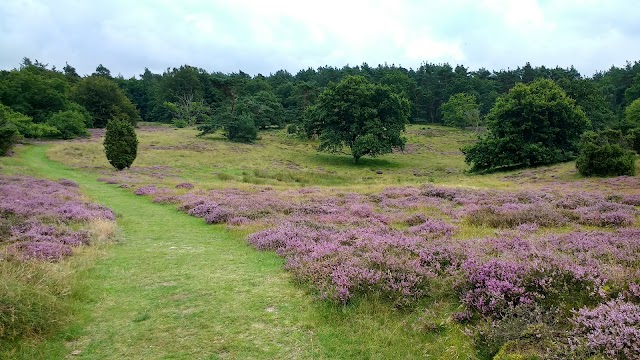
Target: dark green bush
pixel 120 143
pixel 634 139
pixel 70 124
pixel 242 129
pixel 604 153
pixel 8 136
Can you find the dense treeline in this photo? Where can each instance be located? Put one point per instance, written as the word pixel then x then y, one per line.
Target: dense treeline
pixel 36 95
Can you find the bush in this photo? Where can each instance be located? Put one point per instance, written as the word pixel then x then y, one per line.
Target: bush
pixel 8 136
pixel 242 129
pixel 120 143
pixel 70 124
pixel 634 139
pixel 632 114
pixel 604 153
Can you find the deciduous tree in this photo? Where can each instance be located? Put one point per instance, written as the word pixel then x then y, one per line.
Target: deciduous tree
pixel 367 118
pixel 535 124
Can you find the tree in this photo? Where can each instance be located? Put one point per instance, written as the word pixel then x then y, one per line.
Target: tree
pixel 187 112
pixel 604 153
pixel 24 124
pixel 242 129
pixel 365 117
pixel 104 100
pixel 102 71
pixel 461 110
pixel 535 124
pixel 632 115
pixel 69 123
pixel 120 143
pixel 8 131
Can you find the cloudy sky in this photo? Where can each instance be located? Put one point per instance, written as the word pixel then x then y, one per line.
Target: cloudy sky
pixel 265 36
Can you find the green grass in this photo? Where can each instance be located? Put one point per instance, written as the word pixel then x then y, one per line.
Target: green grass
pixel 176 288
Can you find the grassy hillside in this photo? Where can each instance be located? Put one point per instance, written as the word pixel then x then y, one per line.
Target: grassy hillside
pixel 178 288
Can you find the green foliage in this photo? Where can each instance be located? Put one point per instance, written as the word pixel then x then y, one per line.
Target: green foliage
pixel 69 123
pixel 8 134
pixel 632 114
pixel 241 129
pixel 633 138
pixel 104 100
pixel 264 108
pixel 461 110
pixel 35 92
pixel 120 143
pixel 535 124
pixel 24 124
pixel 365 117
pixel 604 153
pixel 187 112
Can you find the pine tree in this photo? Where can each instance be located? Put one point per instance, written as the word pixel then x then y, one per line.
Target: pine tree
pixel 120 143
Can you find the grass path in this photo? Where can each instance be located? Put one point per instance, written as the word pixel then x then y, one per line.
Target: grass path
pixel 175 288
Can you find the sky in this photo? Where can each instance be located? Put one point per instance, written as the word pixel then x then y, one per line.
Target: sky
pixel 266 36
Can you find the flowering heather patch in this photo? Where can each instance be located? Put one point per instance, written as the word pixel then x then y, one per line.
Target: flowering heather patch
pixel 344 263
pixel 611 329
pixel 41 211
pixel 27 197
pixel 433 228
pixel 184 186
pixel 146 190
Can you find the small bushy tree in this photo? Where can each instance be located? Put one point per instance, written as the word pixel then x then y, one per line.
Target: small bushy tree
pixel 603 153
pixel 70 124
pixel 120 143
pixel 242 129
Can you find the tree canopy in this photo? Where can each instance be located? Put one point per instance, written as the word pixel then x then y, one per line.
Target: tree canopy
pixel 104 100
pixel 367 118
pixel 535 124
pixel 461 110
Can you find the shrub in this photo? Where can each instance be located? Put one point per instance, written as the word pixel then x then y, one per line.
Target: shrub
pixel 8 136
pixel 70 124
pixel 603 153
pixel 611 329
pixel 120 143
pixel 292 129
pixel 242 129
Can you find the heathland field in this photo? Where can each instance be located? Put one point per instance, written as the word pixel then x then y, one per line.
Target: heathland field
pixel 209 249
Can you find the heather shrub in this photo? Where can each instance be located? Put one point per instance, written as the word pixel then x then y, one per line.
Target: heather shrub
pixel 120 143
pixel 604 153
pixel 524 332
pixel 611 329
pixel 513 215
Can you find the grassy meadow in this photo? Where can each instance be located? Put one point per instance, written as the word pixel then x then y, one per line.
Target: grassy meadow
pixel 174 286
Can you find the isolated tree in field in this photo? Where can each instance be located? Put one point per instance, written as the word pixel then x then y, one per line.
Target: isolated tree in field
pixel 367 118
pixel 104 100
pixel 461 110
pixel 534 124
pixel 120 143
pixel 605 153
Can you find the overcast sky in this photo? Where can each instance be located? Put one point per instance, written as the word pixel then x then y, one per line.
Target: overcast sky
pixel 265 36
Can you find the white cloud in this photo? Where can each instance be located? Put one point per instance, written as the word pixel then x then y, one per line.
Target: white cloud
pixel 265 36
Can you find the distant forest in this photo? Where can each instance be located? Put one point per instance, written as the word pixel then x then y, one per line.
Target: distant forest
pixel 39 91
